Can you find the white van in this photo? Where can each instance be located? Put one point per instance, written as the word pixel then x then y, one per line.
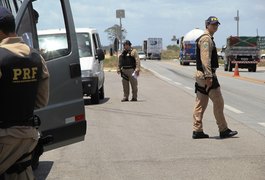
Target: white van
pixel 90 53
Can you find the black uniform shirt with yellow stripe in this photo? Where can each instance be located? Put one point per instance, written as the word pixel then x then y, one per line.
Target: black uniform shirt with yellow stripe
pixel 19 48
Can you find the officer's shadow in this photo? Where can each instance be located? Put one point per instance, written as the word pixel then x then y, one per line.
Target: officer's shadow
pixel 42 172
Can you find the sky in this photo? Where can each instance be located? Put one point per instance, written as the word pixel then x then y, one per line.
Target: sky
pixel 165 18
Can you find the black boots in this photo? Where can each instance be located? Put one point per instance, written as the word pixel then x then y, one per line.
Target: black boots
pixel 227 133
pixel 199 135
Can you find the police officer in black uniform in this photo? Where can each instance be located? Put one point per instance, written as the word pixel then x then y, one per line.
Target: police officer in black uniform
pixel 24 82
pixel 129 68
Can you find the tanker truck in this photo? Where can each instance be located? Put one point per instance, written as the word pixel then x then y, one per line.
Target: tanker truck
pixel 188 46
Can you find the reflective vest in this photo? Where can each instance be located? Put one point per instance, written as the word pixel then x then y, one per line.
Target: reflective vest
pixel 214 58
pixel 18 85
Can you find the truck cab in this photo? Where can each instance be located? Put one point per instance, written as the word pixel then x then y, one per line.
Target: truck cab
pixel 90 53
pixel 64 117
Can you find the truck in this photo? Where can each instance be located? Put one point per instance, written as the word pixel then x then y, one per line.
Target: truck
pixel 153 48
pixel 188 46
pixel 243 51
pixel 64 118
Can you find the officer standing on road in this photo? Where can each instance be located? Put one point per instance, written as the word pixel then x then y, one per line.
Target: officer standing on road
pixel 129 68
pixel 24 82
pixel 207 85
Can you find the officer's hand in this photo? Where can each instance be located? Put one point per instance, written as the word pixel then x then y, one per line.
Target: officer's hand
pixel 208 82
pixel 137 72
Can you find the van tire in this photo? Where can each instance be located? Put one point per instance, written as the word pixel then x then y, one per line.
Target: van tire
pixel 101 92
pixel 95 96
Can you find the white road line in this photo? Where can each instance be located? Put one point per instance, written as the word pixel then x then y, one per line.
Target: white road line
pixel 164 78
pixel 262 124
pixel 189 88
pixel 177 83
pixel 230 108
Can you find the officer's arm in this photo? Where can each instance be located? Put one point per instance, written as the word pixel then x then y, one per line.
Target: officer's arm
pixel 206 53
pixel 137 60
pixel 43 88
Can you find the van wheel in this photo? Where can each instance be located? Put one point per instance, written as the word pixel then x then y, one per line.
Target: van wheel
pixel 95 96
pixel 101 92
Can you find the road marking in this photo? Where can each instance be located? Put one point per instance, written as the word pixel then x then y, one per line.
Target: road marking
pixel 230 108
pixel 177 83
pixel 170 81
pixel 262 124
pixel 253 80
pixel 189 88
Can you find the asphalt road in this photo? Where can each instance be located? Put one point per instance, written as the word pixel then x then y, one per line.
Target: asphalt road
pixel 151 139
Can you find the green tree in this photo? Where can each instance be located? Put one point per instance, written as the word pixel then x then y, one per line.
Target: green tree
pixel 173 47
pixel 114 31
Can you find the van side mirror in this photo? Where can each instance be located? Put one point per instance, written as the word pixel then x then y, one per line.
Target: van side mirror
pixel 100 54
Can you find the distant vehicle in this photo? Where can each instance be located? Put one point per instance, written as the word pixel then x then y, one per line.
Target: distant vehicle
pixel 90 53
pixel 153 46
pixel 155 56
pixel 188 46
pixel 262 56
pixel 241 50
pixel 141 55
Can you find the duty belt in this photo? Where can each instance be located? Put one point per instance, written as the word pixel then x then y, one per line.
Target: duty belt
pixel 200 69
pixel 33 121
pixel 127 67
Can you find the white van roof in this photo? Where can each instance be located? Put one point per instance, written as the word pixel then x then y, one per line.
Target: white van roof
pixel 62 31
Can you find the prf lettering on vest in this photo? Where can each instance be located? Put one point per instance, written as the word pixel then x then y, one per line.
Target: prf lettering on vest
pixel 25 74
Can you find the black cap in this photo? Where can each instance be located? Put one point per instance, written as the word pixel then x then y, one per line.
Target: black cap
pixel 127 42
pixel 4 13
pixel 212 20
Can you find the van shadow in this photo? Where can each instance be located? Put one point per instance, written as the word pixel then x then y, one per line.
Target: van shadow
pixel 87 101
pixel 43 170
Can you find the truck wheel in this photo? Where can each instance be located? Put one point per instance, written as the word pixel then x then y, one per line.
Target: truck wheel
pixel 95 96
pixel 101 92
pixel 254 69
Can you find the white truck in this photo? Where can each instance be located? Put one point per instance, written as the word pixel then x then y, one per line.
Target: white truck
pixel 188 46
pixel 153 48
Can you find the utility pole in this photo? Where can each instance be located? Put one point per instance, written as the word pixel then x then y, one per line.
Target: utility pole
pixel 237 20
pixel 120 13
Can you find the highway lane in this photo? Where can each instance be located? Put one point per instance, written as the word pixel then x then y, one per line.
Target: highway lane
pixel 151 138
pixel 244 96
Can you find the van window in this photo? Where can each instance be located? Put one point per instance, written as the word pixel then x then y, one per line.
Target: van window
pixel 84 44
pixel 53 46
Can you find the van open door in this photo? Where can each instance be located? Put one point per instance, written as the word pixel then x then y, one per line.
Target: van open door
pixel 64 117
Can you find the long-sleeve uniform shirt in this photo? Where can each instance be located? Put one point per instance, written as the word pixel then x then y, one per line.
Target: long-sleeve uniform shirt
pixel 18 47
pixel 206 46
